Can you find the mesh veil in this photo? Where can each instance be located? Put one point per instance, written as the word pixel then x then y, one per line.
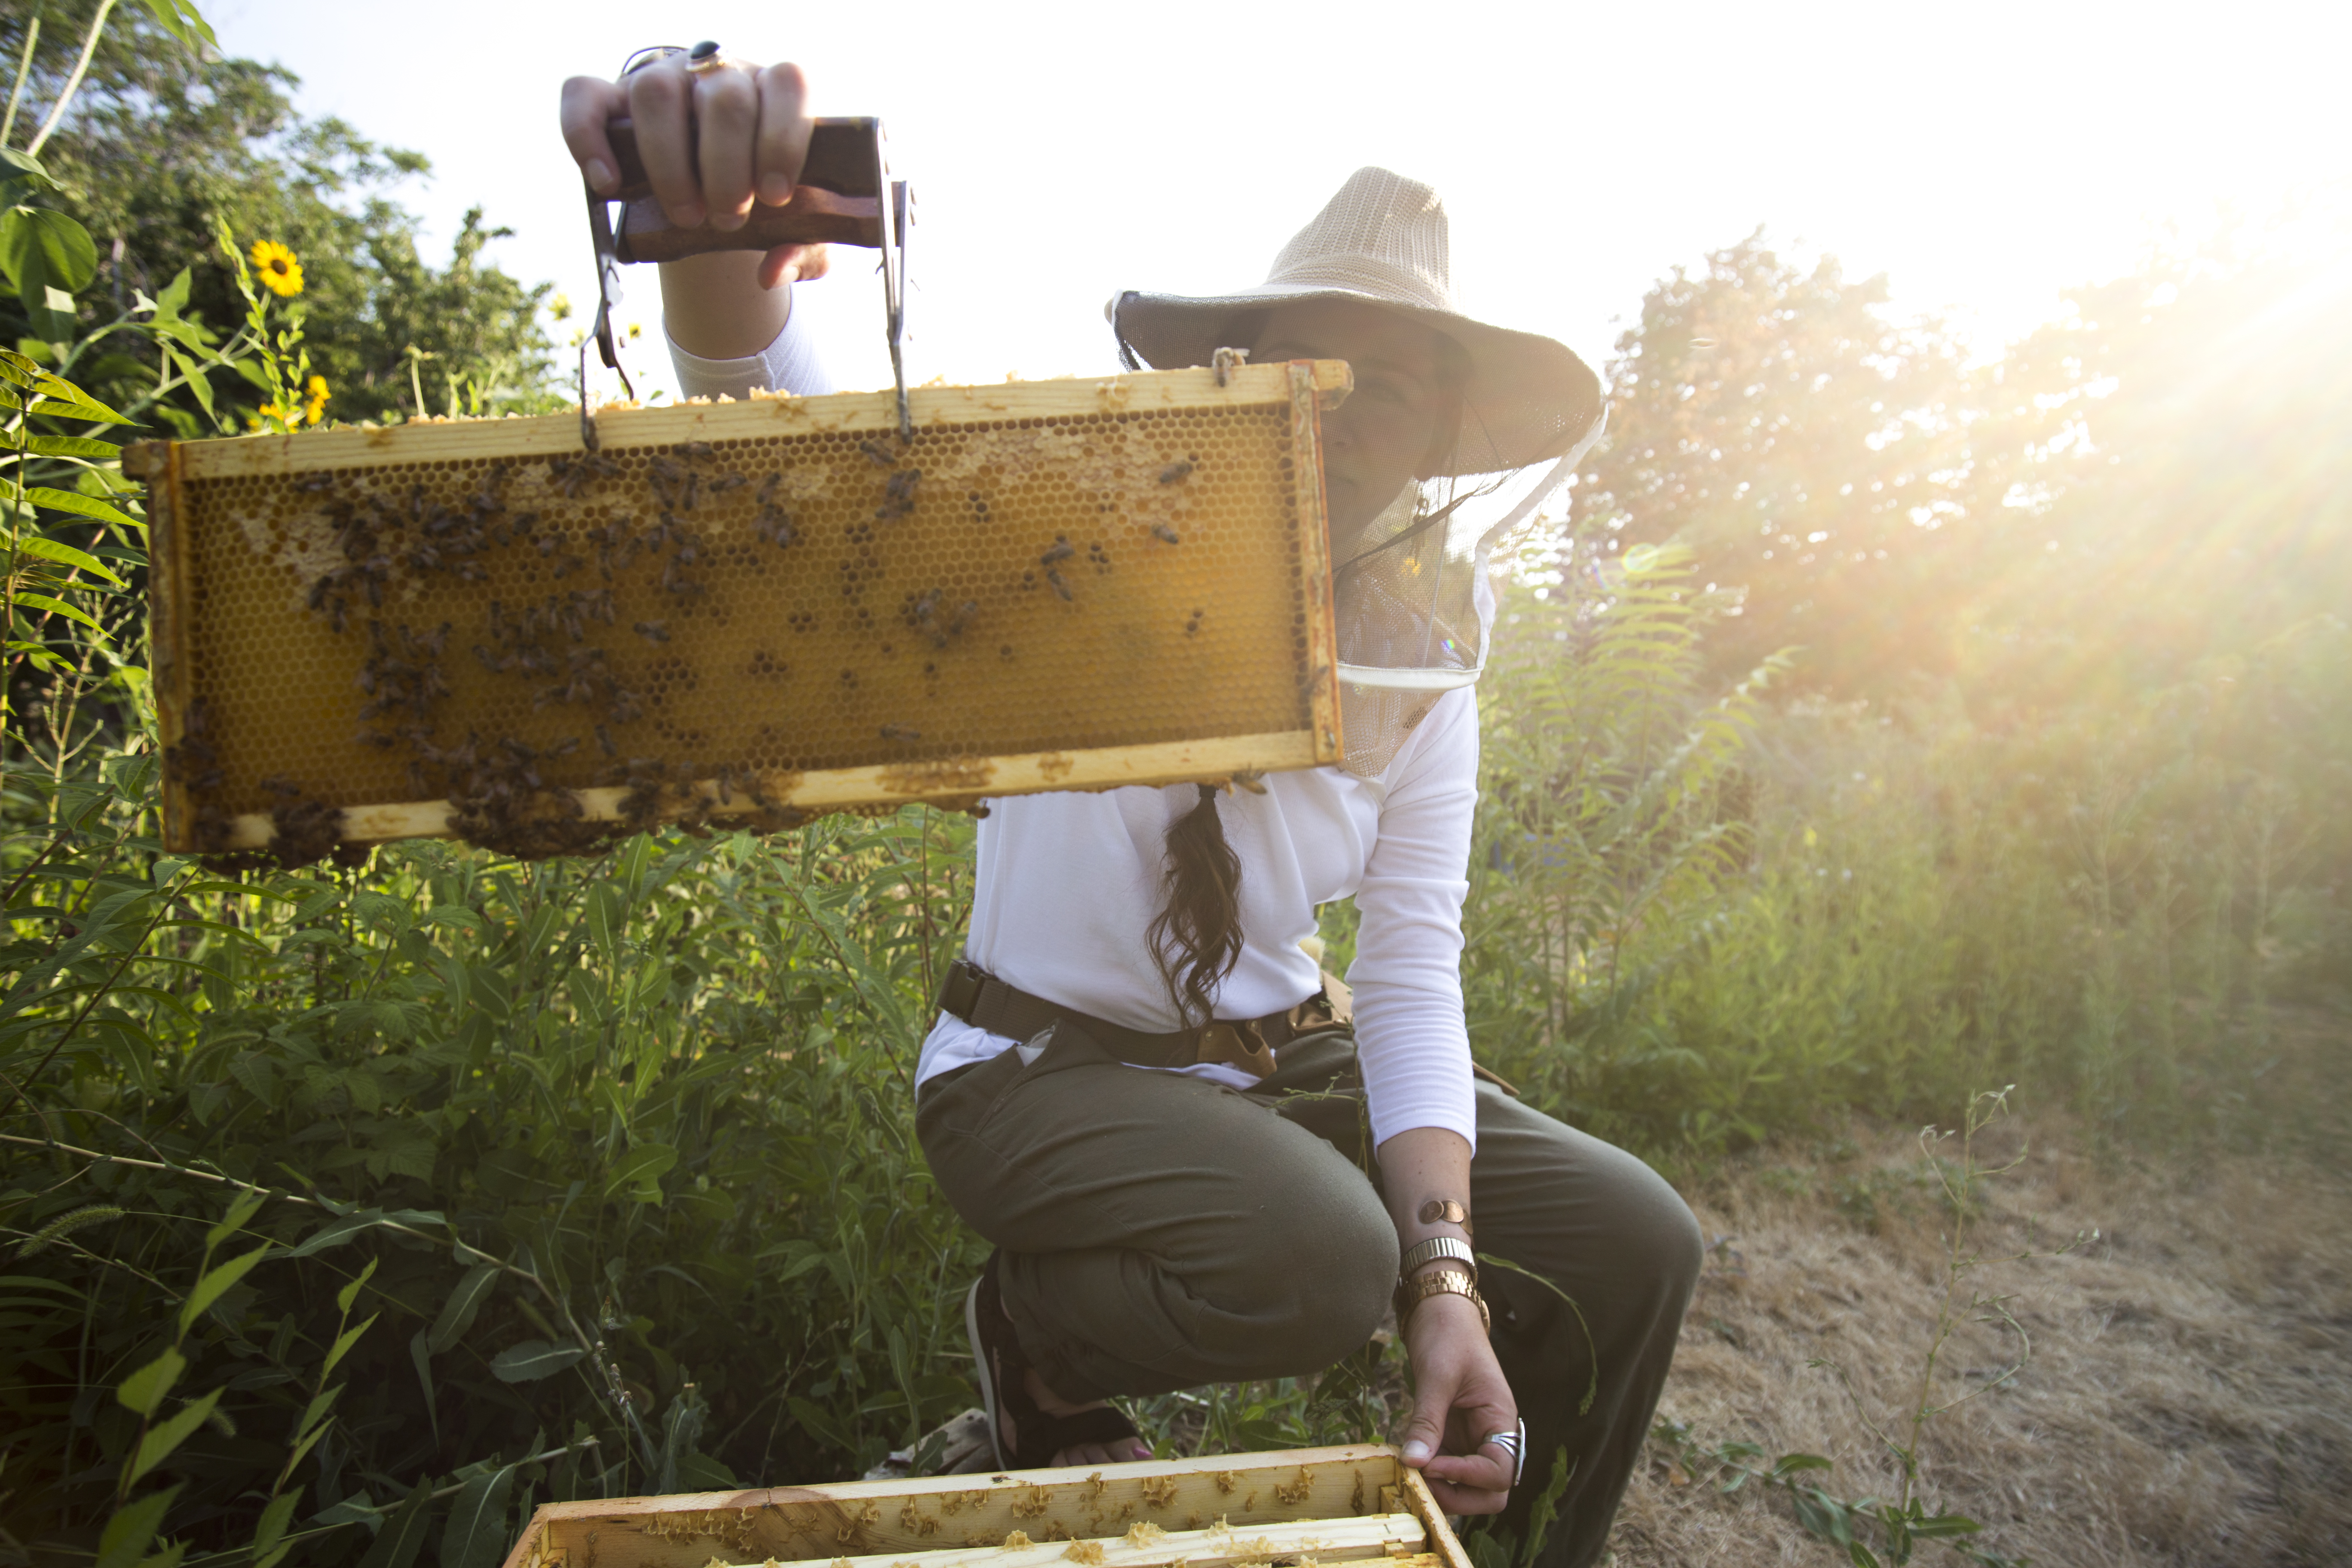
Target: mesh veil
pixel 1415 600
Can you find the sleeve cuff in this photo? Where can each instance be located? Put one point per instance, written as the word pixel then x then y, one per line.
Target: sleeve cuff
pixel 790 363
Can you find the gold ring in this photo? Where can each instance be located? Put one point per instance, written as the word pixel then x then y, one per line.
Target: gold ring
pixel 704 56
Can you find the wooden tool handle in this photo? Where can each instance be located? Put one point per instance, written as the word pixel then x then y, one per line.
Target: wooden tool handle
pixel 838 200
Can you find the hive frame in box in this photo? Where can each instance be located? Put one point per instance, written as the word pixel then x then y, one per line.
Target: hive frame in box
pixel 1359 1502
pixel 1310 736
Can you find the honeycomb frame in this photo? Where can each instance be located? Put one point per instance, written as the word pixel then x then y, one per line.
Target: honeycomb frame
pixel 744 612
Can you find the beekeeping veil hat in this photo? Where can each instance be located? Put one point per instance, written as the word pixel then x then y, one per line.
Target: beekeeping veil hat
pixel 1416 599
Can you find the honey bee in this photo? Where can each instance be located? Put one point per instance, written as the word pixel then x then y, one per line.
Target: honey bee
pixel 694 449
pixel 964 616
pixel 1060 587
pixel 899 494
pixel 880 454
pixel 1164 533
pixel 1062 551
pixel 1174 472
pixel 900 732
pixel 772 525
pixel 1250 779
pixel 652 631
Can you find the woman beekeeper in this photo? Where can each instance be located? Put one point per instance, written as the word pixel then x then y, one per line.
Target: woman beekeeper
pixel 1196 1165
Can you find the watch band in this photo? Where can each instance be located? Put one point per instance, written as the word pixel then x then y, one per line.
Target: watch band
pixel 1411 1293
pixel 1423 1253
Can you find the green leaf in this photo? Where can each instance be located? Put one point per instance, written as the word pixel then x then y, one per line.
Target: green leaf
pixel 21 176
pixel 72 446
pixel 144 1391
pixel 1545 1511
pixel 335 1232
pixel 40 249
pixel 197 378
pixel 161 1438
pixel 608 915
pixel 639 1168
pixel 311 1433
pixel 343 1343
pixel 184 22
pixel 242 1208
pixel 59 607
pixel 476 1535
pixel 398 1542
pixel 66 401
pixel 321 1404
pixel 1941 1526
pixel 458 1313
pixel 532 1360
pixel 422 1359
pixel 1821 1515
pixel 126 1534
pixel 274 1519
pixel 215 1282
pixel 81 505
pixel 349 1293
pixel 174 300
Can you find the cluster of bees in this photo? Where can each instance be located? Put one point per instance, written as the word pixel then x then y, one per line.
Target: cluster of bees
pixel 499 797
pixel 304 830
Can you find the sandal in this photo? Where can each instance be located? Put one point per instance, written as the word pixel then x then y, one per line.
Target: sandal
pixel 996 1356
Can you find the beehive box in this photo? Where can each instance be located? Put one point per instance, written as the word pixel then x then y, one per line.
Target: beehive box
pixel 1271 1511
pixel 742 611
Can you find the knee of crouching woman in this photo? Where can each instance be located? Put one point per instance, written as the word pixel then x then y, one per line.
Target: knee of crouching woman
pixel 1340 1276
pixel 1318 1289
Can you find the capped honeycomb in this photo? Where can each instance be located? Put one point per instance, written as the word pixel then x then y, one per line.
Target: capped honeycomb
pixel 721 607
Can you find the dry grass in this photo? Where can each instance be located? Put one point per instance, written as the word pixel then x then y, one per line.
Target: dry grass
pixel 2190 1396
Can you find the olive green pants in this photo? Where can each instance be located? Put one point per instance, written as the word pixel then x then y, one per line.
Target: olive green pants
pixel 1162 1232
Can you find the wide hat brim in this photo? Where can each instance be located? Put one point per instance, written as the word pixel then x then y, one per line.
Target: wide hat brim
pixel 1529 398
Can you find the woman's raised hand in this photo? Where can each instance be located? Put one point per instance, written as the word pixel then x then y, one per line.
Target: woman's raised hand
pixel 712 140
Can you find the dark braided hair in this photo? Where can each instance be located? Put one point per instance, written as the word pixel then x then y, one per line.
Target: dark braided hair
pixel 1196 938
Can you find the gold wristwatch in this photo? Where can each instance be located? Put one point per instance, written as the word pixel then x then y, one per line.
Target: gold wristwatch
pixel 1411 1293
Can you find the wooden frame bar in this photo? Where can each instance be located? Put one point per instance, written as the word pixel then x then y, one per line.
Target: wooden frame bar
pixel 1323 1504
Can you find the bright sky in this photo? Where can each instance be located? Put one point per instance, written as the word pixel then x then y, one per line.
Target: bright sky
pixel 1985 156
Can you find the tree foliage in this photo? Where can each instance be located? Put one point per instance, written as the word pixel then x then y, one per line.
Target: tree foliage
pixel 163 145
pixel 2137 486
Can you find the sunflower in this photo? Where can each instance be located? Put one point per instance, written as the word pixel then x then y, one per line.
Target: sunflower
pixel 281 274
pixel 314 397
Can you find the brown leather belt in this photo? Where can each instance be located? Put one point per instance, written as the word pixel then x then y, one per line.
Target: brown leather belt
pixel 980 999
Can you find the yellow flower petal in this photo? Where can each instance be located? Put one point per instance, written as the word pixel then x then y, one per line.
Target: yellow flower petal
pixel 279 270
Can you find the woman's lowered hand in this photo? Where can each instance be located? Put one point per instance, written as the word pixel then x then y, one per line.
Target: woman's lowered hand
pixel 1459 1396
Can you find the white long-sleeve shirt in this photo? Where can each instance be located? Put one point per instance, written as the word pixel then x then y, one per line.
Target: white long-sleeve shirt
pixel 1068 883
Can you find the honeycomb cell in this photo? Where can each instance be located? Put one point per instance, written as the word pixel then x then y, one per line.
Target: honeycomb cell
pixel 778 605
